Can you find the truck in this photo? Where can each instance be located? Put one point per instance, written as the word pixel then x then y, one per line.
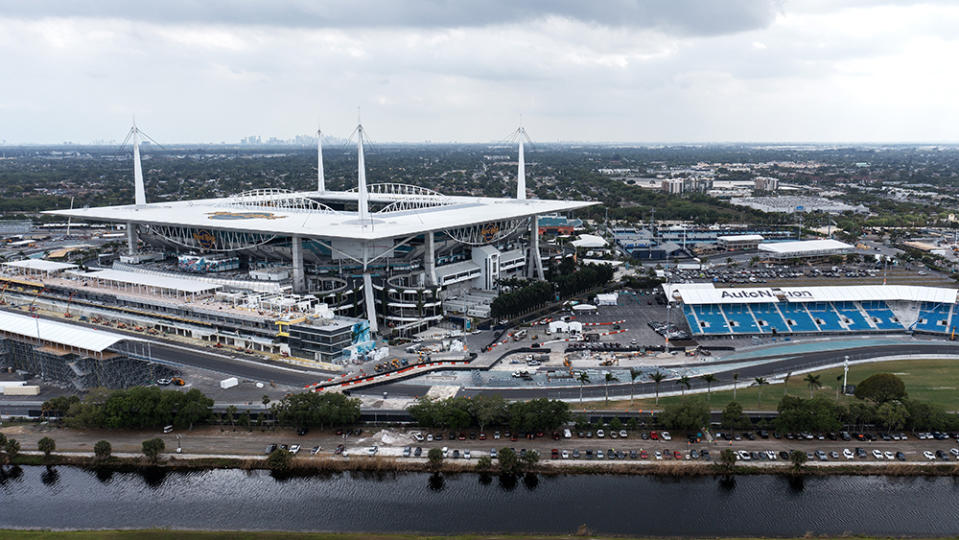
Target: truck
pixel 519 334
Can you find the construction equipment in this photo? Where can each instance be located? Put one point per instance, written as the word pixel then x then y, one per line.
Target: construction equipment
pixel 33 302
pixel 67 313
pixel 177 381
pixel 2 293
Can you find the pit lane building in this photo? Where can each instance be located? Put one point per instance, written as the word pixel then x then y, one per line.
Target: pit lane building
pixel 394 254
pixel 711 311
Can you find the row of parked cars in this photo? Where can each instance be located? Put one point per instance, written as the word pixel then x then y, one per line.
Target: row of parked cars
pixel 848 454
pixel 835 436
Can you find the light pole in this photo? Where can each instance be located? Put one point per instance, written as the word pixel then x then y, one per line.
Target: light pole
pixel 845 373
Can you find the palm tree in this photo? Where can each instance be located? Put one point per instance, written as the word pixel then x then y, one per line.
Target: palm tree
pixel 609 377
pixel 735 380
pixel 684 382
pixel 583 380
pixel 633 375
pixel 759 382
pixel 709 378
pixel 657 378
pixel 838 385
pixel 813 382
pixel 786 383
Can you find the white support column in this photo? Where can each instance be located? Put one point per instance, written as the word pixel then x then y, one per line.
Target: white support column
pixel 299 279
pixel 368 300
pixel 131 238
pixel 363 200
pixel 429 259
pixel 535 268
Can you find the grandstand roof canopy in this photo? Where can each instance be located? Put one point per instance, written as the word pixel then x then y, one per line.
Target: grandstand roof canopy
pixel 39 265
pixel 68 335
pixel 150 280
pixel 741 237
pixel 700 293
pixel 223 214
pixel 804 247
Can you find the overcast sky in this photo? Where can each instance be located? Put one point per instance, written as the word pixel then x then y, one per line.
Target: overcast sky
pixel 472 70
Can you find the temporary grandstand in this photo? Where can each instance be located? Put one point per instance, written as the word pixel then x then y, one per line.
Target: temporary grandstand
pixel 711 311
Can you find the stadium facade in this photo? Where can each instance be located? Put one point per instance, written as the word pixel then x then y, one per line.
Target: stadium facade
pixel 711 311
pixel 391 253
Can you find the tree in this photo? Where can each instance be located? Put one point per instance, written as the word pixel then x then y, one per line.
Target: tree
pixel 488 410
pixel 657 378
pixel 309 409
pixel 266 400
pixel 484 464
pixel 152 448
pixel 246 421
pixel 583 380
pixel 231 416
pixel 813 382
pixel 727 459
pixel 685 383
pixel 529 460
pixel 881 387
pixel 709 379
pixel 11 448
pixel 608 377
pixel 893 415
pixel 733 417
pixel 786 383
pixel 633 375
pixel 735 380
pixel 435 459
pixel 798 459
pixel 47 446
pixel 508 461
pixel 688 415
pixel 279 459
pixel 759 382
pixel 102 450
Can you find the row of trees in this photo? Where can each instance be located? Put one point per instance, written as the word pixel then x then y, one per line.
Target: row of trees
pixel 587 277
pixel 140 407
pixel 522 299
pixel 482 411
pixel 312 409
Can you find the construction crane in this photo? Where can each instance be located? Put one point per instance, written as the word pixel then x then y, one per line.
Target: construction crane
pixel 34 301
pixel 67 313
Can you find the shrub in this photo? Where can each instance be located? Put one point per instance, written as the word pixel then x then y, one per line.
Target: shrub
pixel 47 446
pixel 152 448
pixel 279 459
pixel 102 450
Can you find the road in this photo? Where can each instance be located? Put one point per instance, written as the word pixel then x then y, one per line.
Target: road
pixel 777 365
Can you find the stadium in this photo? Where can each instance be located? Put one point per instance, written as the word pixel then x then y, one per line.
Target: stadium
pixel 770 311
pixel 399 255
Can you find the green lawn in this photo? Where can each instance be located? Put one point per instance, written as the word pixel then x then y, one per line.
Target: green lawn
pixel 934 381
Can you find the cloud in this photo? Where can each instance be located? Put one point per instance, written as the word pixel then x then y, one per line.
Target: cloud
pixel 694 17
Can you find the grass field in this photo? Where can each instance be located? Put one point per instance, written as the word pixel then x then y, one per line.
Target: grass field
pixel 934 381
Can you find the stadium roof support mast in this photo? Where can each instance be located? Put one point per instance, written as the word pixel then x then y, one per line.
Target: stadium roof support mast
pixel 139 192
pixel 320 180
pixel 363 200
pixel 522 138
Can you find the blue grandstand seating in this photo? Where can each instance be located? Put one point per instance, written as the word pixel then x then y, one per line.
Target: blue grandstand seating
pixel 767 313
pixel 882 317
pixel 741 319
pixel 850 311
pixel 825 316
pixel 694 327
pixel 799 318
pixel 933 317
pixel 712 316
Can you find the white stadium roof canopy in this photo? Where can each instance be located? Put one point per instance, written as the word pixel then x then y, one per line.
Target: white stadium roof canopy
pixel 68 335
pixel 149 280
pixel 705 293
pixel 220 214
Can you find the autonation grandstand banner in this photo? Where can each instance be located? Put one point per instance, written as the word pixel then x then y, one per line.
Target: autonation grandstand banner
pixel 698 293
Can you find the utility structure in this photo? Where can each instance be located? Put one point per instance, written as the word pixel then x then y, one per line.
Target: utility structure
pixel 397 254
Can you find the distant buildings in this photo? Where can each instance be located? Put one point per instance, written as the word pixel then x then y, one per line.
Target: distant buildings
pixel 766 183
pixel 788 205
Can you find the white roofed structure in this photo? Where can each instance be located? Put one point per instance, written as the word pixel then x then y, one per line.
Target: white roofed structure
pixel 805 248
pixel 37 267
pixel 148 283
pixel 64 335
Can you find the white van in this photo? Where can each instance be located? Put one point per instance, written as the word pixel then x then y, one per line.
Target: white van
pixel 567 434
pixel 168 429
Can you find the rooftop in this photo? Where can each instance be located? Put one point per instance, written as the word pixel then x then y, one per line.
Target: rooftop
pixel 705 293
pixel 800 246
pixel 65 334
pixel 41 265
pixel 150 280
pixel 225 214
